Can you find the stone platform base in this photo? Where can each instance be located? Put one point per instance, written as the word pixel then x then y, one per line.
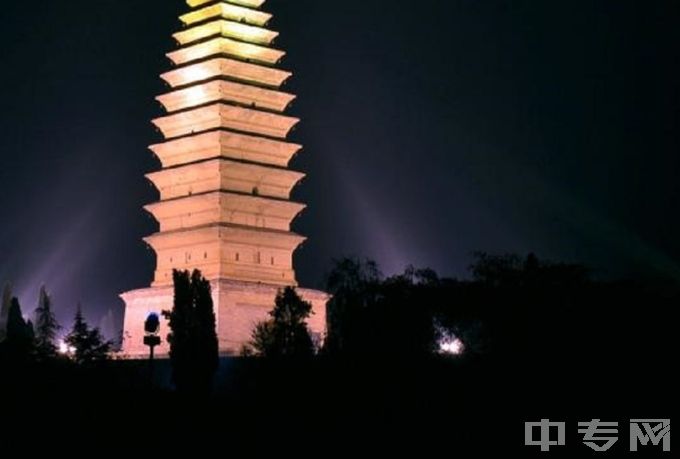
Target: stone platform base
pixel 239 306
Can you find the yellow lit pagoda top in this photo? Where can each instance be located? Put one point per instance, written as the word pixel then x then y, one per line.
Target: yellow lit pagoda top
pixel 227 11
pixel 229 29
pixel 249 3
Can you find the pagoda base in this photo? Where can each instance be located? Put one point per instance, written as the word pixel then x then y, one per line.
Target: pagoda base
pixel 239 306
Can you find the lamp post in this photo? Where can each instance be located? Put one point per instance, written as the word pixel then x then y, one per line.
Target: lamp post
pixel 152 326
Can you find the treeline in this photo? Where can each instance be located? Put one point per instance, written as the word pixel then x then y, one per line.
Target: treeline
pixel 512 309
pixel 517 310
pixel 413 314
pixel 25 341
pixel 409 314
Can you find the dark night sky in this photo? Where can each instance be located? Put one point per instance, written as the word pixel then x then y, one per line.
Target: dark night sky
pixel 431 129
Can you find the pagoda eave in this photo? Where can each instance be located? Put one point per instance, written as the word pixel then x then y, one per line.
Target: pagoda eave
pixel 226 46
pixel 248 3
pixel 229 29
pixel 227 144
pixel 283 240
pixel 229 91
pixel 220 66
pixel 227 11
pixel 228 202
pixel 224 173
pixel 221 115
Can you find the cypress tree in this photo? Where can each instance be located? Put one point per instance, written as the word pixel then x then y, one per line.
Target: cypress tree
pixel 193 339
pixel 46 327
pixel 19 341
pixel 4 311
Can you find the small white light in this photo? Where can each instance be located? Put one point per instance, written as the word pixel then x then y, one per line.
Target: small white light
pixel 65 349
pixel 451 346
pixel 448 343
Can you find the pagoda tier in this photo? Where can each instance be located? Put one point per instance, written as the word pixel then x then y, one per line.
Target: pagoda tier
pixel 225 144
pixel 224 251
pixel 226 68
pixel 227 91
pixel 250 3
pixel 224 207
pixel 225 116
pixel 226 47
pixel 224 174
pixel 231 11
pixel 227 29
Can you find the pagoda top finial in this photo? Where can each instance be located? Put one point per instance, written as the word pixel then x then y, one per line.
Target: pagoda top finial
pixel 248 3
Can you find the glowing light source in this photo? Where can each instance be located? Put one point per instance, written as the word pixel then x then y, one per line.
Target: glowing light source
pixel 65 349
pixel 448 343
pixel 451 346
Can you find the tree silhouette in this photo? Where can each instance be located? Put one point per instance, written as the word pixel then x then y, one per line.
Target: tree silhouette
pixel 193 340
pixel 511 270
pixel 46 327
pixel 354 288
pixel 19 340
pixel 263 340
pixel 4 311
pixel 286 333
pixel 88 344
pixel 498 270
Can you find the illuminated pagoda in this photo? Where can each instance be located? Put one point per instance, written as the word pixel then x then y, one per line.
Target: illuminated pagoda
pixel 224 186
